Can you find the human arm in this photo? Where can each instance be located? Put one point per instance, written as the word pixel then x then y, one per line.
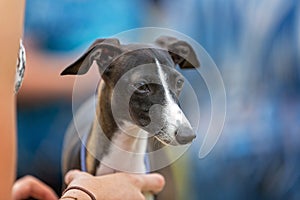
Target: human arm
pixel 11 24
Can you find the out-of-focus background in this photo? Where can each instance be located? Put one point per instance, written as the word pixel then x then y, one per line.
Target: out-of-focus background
pixel 256 46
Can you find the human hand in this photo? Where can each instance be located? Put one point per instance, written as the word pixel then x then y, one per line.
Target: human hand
pixel 30 186
pixel 113 186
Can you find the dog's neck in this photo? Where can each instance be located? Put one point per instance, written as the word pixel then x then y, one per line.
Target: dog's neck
pixel 126 153
pixel 118 148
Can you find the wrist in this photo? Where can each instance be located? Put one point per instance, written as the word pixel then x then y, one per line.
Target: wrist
pixel 77 193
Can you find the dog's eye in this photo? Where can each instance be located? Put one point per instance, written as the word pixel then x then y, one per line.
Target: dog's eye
pixel 179 83
pixel 141 88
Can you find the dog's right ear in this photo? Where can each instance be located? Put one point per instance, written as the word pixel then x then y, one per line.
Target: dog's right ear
pixel 103 51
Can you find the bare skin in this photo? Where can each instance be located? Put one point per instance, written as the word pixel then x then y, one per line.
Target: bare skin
pixel 11 23
pixel 30 186
pixel 116 186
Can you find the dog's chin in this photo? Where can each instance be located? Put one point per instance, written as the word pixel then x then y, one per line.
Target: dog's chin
pixel 166 140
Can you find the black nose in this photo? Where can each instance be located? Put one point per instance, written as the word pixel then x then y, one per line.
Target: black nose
pixel 185 135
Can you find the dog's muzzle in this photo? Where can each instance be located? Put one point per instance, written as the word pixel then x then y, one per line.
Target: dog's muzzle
pixel 169 129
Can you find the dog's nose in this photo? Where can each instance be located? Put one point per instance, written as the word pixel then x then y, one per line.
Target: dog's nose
pixel 185 135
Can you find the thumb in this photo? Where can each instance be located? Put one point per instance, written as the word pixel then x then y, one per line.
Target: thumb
pixel 74 174
pixel 152 183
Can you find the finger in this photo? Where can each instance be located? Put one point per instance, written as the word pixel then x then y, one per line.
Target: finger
pixel 74 174
pixel 152 183
pixel 31 187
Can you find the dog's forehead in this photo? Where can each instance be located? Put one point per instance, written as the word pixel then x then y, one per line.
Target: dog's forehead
pixel 138 54
pixel 140 63
pixel 137 46
pixel 149 73
pixel 144 50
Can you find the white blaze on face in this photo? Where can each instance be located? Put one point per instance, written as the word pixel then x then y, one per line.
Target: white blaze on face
pixel 171 112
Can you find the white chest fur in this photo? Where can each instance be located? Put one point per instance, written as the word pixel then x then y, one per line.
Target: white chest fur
pixel 126 153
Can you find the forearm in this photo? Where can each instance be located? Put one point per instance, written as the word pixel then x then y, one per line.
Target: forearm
pixel 11 23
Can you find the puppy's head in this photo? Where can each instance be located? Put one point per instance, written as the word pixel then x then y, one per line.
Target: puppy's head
pixel 152 83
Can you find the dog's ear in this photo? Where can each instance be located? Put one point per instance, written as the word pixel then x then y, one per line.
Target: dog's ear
pixel 103 51
pixel 181 52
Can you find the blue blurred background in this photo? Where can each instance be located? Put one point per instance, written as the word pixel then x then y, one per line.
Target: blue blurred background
pixel 255 45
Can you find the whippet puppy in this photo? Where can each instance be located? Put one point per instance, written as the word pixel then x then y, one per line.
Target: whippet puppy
pixel 137 98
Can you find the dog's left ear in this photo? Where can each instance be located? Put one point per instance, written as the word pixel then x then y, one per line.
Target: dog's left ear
pixel 181 52
pixel 103 51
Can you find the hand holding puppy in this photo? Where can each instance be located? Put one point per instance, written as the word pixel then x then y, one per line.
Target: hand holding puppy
pixel 113 186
